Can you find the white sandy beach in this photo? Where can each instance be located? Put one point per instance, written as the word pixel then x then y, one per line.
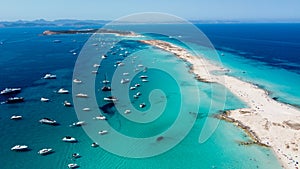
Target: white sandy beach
pixel 276 124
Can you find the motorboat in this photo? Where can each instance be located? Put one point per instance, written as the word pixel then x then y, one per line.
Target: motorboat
pixel 142 105
pixel 45 151
pixel 137 85
pixel 110 99
pixel 67 104
pixel 49 76
pixel 144 80
pixel 140 65
pixel 43 99
pixel 123 81
pixel 15 117
pixel 81 95
pixel 138 93
pixel 8 91
pixel 94 72
pixel 101 117
pixel 76 155
pixel 77 81
pixel 103 56
pixel 57 41
pixel 79 123
pixel 19 148
pixel 135 96
pixel 105 81
pixel 86 109
pixel 73 165
pixel 103 132
pixel 12 100
pixel 94 145
pixel 127 111
pixel 96 65
pixel 132 88
pixel 63 91
pixel 69 139
pixel 125 74
pixel 106 88
pixel 48 121
pixel 143 77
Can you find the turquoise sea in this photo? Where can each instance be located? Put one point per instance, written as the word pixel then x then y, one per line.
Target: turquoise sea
pixel 26 55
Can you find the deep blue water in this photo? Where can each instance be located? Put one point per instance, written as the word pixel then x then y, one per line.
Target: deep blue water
pixel 25 56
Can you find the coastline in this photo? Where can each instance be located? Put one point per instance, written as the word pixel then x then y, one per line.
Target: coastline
pixel 268 122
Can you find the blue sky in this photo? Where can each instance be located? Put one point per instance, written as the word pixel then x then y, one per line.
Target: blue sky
pixel 11 10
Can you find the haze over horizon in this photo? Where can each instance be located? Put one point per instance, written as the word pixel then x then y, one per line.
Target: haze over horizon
pixel 191 10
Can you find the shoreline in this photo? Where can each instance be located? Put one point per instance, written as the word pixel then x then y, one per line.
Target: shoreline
pixel 268 122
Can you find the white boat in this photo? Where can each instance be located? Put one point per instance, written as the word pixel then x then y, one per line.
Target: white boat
pixel 138 93
pixel 110 99
pixel 105 81
pixel 123 81
pixel 86 109
pixel 77 81
pixel 8 91
pixel 81 95
pixel 132 88
pixel 103 132
pixel 127 111
pixel 69 139
pixel 43 99
pixel 121 64
pixel 73 165
pixel 135 96
pixel 144 80
pixel 47 121
pixel 142 105
pixel 15 117
pixel 94 72
pixel 45 151
pixel 94 145
pixel 143 77
pixel 140 65
pixel 76 155
pixel 13 100
pixel 79 123
pixel 96 65
pixel 103 56
pixel 125 74
pixel 137 85
pixel 63 91
pixel 49 76
pixel 19 148
pixel 67 104
pixel 101 117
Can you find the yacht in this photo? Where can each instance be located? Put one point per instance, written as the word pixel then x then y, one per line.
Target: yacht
pixel 19 148
pixel 102 132
pixel 103 56
pixel 69 139
pixel 79 123
pixel 49 76
pixel 63 91
pixel 43 99
pixel 142 105
pixel 81 95
pixel 132 88
pixel 15 117
pixel 67 104
pixel 14 100
pixel 137 85
pixel 45 151
pixel 101 117
pixel 123 81
pixel 77 81
pixel 94 145
pixel 73 165
pixel 106 88
pixel 110 99
pixel 48 121
pixel 8 91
